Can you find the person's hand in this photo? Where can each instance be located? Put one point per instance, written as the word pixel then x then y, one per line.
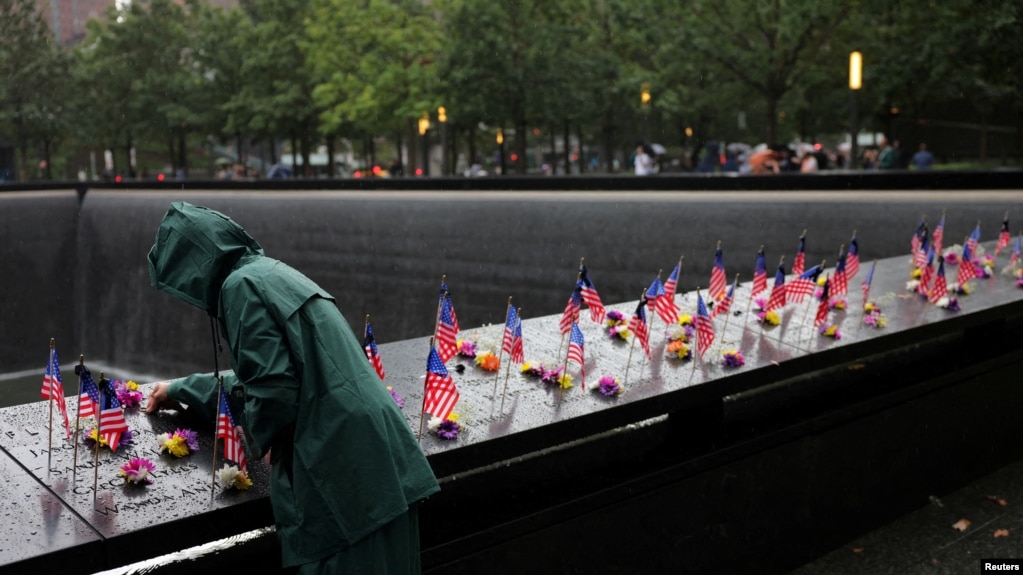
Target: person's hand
pixel 158 398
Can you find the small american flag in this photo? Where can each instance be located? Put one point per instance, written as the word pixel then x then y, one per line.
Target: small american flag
pixel 447 333
pixel 89 398
pixel 512 335
pixel 759 275
pixel 637 325
pixel 822 307
pixel 53 387
pixel 966 270
pixel 926 275
pixel 369 343
pixel 228 431
pixel 575 302
pixel 671 284
pixel 777 300
pixel 590 296
pixel 974 239
pixel 1004 236
pixel 841 281
pixel 919 237
pixel 518 353
pixel 718 281
pixel 803 285
pixel 577 351
pixel 704 326
pixel 799 265
pixel 662 304
pixel 852 259
pixel 939 235
pixel 920 255
pixel 725 304
pixel 112 422
pixel 865 286
pixel 1014 258
pixel 441 393
pixel 940 288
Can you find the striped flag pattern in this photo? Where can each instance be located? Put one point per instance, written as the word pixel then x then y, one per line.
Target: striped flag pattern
pixel 53 387
pixel 718 281
pixel 1014 258
pixel 447 333
pixel 759 275
pixel 228 431
pixel 89 398
pixel 939 235
pixel 940 288
pixel 577 351
pixel 1004 236
pixel 441 393
pixel 590 296
pixel 865 286
pixel 822 307
pixel 852 259
pixel 671 284
pixel 919 237
pixel 662 304
pixel 777 300
pixel 725 304
pixel 799 265
pixel 966 270
pixel 974 239
pixel 575 303
pixel 369 343
pixel 638 326
pixel 803 285
pixel 926 275
pixel 840 285
pixel 704 326
pixel 513 336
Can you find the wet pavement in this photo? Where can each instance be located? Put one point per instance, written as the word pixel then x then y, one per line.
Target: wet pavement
pixel 953 534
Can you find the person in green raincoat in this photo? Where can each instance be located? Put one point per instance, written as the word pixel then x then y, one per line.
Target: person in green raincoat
pixel 346 470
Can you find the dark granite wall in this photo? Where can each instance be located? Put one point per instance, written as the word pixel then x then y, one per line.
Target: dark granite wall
pixel 37 250
pixel 383 252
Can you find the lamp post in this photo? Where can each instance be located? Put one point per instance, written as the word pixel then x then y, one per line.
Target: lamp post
pixel 855 83
pixel 644 101
pixel 442 117
pixel 424 126
pixel 500 147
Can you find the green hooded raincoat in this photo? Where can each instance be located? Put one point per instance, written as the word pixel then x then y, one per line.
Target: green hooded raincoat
pixel 344 460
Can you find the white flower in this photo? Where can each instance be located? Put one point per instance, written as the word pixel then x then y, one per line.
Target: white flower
pixel 943 302
pixel 227 475
pixel 434 423
pixel 911 285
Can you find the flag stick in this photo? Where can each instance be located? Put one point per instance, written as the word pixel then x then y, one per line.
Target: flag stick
pixel 78 417
pixel 99 436
pixel 216 428
pixel 577 278
pixel 749 303
pixel 49 394
pixel 628 362
pixel 564 370
pixel 500 353
pixel 806 310
pixel 423 408
pixel 440 302
pixel 729 313
pixel 692 353
pixel 507 368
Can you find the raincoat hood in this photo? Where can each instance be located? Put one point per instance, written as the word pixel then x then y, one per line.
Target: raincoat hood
pixel 195 250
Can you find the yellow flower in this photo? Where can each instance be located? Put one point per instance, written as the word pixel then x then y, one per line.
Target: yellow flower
pixel 94 435
pixel 176 446
pixel 242 481
pixel 565 381
pixel 882 321
pixel 131 385
pixel 453 417
pixel 685 319
pixel 869 307
pixel 916 274
pixel 772 318
pixel 526 367
pixel 678 349
pixel 821 280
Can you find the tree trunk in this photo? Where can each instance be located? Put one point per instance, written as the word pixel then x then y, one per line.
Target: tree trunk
pixel 413 148
pixel 183 150
pixel 331 170
pixel 568 149
pixel 398 151
pixel 48 171
pixel 172 153
pixel 471 154
pixel 294 155
pixel 583 160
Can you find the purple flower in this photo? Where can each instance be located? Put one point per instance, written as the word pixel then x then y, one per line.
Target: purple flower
pixel 551 375
pixel 609 386
pixel 733 359
pixel 1019 283
pixel 191 438
pixel 615 315
pixel 127 438
pixel 953 304
pixel 448 429
pixel 397 398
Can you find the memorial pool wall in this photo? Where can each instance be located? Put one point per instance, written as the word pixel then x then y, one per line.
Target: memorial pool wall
pixel 77 269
